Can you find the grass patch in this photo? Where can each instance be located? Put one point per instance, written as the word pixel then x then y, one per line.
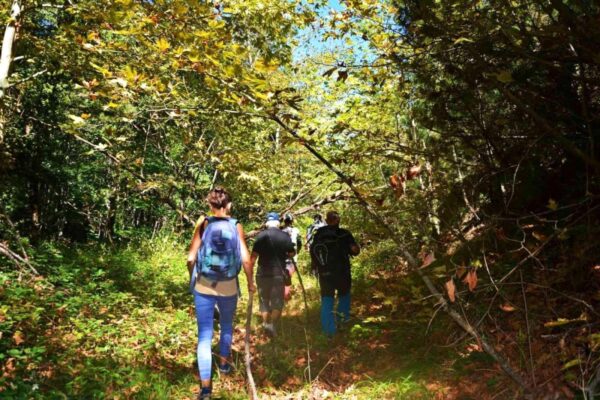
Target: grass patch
pixel 119 323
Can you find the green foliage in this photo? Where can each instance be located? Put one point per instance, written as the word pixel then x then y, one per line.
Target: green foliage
pixel 105 317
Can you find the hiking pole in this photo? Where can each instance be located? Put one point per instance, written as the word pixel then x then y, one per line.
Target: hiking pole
pixel 251 385
pixel 303 290
pixel 306 316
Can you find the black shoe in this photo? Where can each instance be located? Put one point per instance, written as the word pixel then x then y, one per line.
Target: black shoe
pixel 205 393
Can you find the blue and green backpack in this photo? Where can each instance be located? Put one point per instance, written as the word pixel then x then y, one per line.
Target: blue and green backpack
pixel 219 257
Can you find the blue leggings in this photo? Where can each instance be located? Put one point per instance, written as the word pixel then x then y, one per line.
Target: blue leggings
pixel 205 308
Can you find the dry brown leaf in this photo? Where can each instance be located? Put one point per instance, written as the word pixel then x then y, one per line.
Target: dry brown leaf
pixel 507 307
pixel 18 338
pixel 428 259
pixel 471 280
pixel 397 183
pixel 413 172
pixel 451 289
pixel 539 236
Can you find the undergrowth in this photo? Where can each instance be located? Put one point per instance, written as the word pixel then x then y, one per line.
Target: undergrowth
pixel 104 322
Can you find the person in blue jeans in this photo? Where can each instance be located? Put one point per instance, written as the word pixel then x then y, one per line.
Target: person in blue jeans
pixel 331 249
pixel 223 294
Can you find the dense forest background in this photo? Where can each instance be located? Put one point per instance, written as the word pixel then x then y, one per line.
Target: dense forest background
pixel 459 140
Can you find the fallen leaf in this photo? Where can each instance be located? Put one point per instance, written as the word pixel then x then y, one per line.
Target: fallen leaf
pixel 571 363
pixel 397 183
pixel 539 236
pixel 507 307
pixel 18 338
pixel 552 204
pixel 413 172
pixel 428 259
pixel 451 289
pixel 471 280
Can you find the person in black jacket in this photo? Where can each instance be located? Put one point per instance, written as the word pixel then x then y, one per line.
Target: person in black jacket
pixel 330 250
pixel 272 247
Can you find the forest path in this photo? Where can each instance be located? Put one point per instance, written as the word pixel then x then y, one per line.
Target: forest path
pixel 118 323
pixel 383 353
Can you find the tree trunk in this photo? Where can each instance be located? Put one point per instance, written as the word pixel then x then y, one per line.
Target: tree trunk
pixel 7 45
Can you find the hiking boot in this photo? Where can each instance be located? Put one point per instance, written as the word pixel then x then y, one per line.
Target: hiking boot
pixel 205 393
pixel 225 369
pixel 270 330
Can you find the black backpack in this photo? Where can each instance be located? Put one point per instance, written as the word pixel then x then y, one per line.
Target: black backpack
pixel 327 250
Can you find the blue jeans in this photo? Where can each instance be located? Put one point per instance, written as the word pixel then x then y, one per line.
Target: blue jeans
pixel 329 286
pixel 205 308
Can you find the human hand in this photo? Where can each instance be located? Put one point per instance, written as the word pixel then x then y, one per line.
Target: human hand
pixel 190 262
pixel 251 287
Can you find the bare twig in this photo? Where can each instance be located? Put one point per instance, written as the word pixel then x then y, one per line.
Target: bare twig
pixel 528 328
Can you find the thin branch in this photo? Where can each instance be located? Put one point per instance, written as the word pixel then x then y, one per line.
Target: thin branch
pixel 33 76
pixel 412 261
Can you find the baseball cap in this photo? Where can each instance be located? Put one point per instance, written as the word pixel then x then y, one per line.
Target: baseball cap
pixel 272 216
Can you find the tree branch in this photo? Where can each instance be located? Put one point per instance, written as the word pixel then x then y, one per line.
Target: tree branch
pixel 412 261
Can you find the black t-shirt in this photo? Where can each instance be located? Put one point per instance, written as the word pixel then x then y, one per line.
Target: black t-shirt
pixel 345 241
pixel 272 246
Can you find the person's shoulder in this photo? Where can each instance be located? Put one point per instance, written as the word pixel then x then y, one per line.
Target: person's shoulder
pixel 260 235
pixel 281 233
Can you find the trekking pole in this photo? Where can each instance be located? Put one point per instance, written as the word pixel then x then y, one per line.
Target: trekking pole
pixel 306 323
pixel 303 290
pixel 251 385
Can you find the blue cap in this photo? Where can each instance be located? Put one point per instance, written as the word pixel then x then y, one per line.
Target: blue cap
pixel 272 216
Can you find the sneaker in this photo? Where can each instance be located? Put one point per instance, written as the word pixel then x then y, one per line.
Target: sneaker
pixel 225 369
pixel 270 330
pixel 205 393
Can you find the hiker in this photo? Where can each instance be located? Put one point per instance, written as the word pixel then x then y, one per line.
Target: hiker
pixel 331 249
pixel 291 262
pixel 312 229
pixel 217 251
pixel 272 247
pixel 310 234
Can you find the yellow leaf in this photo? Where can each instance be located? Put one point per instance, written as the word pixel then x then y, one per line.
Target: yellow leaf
pixel 162 44
pixel 18 338
pixel 562 321
pixel 131 74
pixel 194 57
pixel 77 120
pixel 102 70
pixel 552 204
pixel 463 40
pixel 571 363
pixel 504 76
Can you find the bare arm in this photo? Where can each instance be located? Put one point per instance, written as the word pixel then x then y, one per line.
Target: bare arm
pixel 247 262
pixel 193 252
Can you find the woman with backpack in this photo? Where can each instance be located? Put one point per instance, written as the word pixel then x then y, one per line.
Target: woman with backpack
pixel 217 252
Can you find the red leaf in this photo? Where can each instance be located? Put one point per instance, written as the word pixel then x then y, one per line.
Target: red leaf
pixel 397 183
pixel 471 280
